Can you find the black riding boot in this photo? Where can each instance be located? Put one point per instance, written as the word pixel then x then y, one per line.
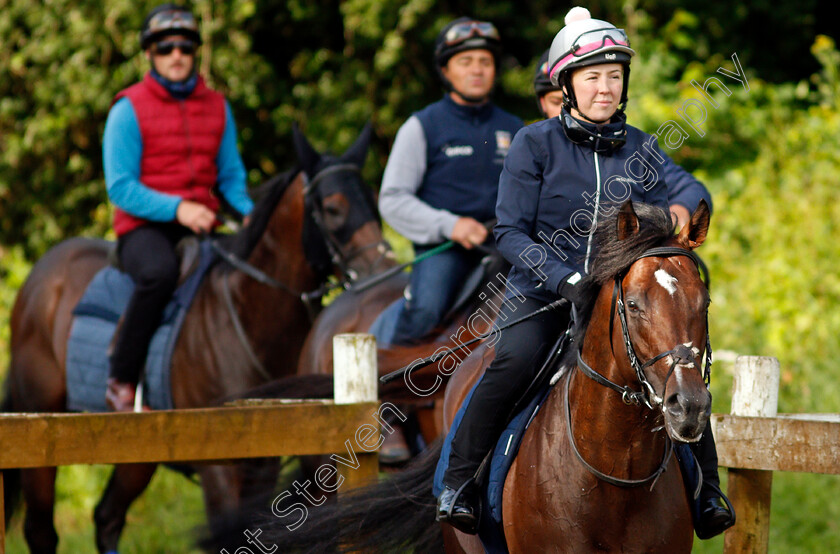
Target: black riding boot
pixel 714 518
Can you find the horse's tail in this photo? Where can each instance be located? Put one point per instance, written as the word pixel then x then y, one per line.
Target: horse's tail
pixel 11 477
pixel 396 514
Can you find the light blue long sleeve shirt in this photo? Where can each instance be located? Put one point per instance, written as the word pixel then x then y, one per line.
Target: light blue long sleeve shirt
pixel 122 150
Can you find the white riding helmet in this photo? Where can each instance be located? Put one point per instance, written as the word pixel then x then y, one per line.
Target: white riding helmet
pixel 585 41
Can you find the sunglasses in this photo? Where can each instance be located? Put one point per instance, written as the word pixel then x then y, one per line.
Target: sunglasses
pixel 165 47
pixel 468 29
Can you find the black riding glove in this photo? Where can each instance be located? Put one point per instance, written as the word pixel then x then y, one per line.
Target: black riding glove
pixel 571 290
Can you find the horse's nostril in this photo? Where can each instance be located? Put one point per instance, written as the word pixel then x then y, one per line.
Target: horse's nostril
pixel 677 405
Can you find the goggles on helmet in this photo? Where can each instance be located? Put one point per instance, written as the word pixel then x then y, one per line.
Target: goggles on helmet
pixel 462 31
pixel 172 19
pixel 595 40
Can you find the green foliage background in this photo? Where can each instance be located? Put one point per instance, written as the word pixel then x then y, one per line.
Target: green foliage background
pixel 770 157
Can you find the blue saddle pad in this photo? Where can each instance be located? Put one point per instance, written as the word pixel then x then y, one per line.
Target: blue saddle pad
pixel 490 526
pixel 95 320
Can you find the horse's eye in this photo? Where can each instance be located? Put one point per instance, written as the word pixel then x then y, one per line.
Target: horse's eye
pixel 632 306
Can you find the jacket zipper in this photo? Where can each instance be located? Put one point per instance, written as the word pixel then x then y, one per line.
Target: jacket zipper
pixel 595 214
pixel 182 104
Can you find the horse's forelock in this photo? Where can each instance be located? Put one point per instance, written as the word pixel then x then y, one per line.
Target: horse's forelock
pixel 614 256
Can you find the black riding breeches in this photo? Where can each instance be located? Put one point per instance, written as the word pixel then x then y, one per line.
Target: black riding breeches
pixel 148 255
pixel 520 353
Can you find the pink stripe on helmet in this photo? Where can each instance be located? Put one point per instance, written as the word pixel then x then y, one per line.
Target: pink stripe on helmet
pixel 592 46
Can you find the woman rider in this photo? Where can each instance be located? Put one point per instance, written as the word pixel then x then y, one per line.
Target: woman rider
pixel 551 191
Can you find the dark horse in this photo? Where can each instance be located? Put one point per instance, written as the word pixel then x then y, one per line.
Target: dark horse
pixel 308 224
pixel 595 470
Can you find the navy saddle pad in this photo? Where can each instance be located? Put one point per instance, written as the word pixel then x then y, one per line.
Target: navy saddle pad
pixel 95 320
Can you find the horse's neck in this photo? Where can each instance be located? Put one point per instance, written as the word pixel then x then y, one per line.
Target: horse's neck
pixel 274 319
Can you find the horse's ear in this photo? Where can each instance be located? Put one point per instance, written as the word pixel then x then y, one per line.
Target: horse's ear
pixel 627 223
pixel 306 154
pixel 357 153
pixel 694 232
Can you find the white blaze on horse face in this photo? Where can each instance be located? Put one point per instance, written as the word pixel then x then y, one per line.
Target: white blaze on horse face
pixel 666 280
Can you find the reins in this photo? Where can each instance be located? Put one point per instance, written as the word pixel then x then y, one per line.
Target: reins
pixel 626 483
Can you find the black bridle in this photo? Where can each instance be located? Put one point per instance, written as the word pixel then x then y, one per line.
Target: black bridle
pixel 340 258
pixel 647 395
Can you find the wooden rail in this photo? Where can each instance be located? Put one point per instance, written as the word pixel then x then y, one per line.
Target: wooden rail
pixel 213 434
pixel 754 441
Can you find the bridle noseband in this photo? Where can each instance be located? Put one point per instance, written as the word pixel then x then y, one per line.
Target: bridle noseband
pixel 647 395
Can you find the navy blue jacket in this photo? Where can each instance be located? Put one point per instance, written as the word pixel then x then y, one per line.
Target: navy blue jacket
pixel 465 150
pixel 683 188
pixel 550 192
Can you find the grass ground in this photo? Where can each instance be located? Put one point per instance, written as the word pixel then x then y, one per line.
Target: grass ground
pixel 163 520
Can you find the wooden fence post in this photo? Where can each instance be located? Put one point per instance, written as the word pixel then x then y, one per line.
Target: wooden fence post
pixel 755 394
pixel 355 379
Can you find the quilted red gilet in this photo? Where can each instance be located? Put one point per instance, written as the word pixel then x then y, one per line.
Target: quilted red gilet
pixel 181 140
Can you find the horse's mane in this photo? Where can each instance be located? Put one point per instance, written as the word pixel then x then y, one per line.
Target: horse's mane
pixel 268 195
pixel 614 256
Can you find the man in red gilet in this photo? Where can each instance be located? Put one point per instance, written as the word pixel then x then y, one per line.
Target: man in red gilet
pixel 169 140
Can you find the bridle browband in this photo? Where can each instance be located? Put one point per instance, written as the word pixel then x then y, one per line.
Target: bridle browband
pixel 647 395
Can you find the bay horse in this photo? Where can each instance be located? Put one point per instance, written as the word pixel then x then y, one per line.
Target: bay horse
pixel 241 329
pixel 594 471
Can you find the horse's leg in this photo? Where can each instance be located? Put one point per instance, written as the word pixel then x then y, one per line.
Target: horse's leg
pixel 258 479
pixel 222 487
pixel 38 487
pixel 126 483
